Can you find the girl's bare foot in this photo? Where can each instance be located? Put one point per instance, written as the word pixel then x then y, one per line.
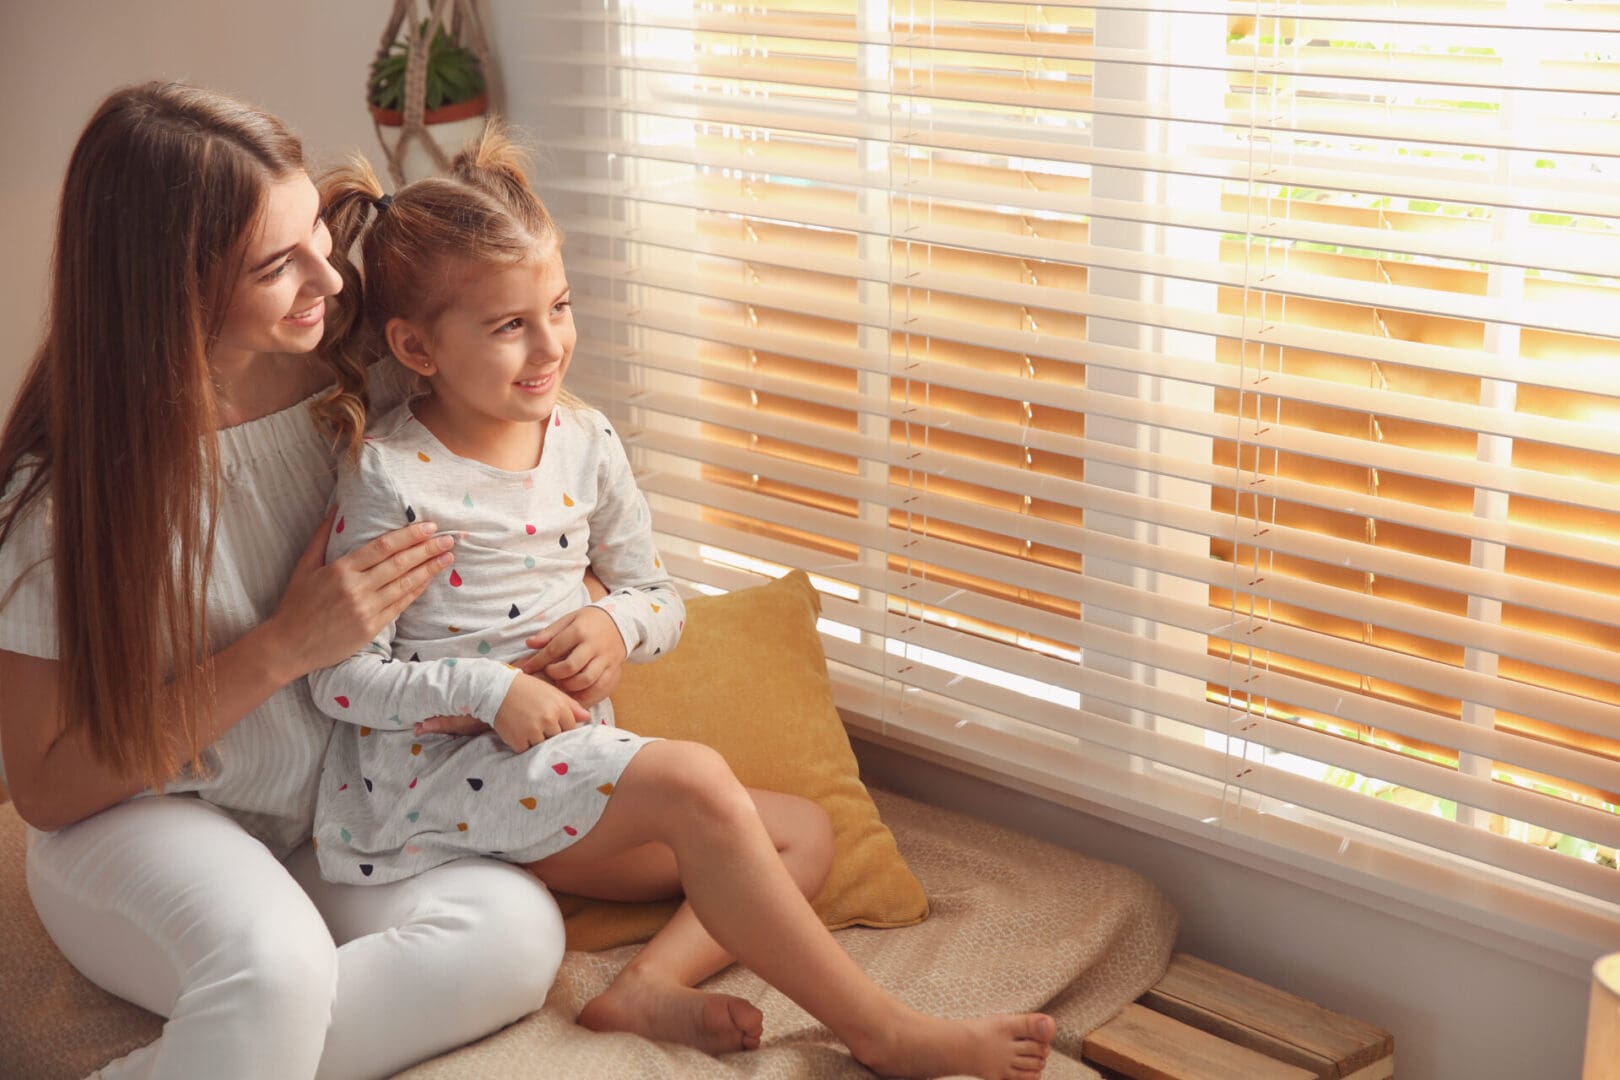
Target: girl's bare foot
pixel 649 1006
pixel 991 1047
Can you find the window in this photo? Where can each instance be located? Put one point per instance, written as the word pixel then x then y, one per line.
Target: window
pixel 1217 401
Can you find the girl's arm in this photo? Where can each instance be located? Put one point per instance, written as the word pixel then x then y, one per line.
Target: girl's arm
pixel 644 615
pixel 374 690
pixel 642 600
pixel 55 777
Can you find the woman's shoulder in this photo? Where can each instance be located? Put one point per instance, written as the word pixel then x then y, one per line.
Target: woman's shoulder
pixel 35 517
pixel 26 551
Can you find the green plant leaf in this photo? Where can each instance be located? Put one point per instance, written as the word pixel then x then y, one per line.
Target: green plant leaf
pixel 453 73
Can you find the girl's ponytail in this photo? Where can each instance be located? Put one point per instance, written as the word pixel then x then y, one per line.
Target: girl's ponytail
pixel 349 196
pixel 496 165
pixel 409 246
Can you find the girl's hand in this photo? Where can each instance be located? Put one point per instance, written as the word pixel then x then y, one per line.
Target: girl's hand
pixel 450 725
pixel 329 613
pixel 533 711
pixel 582 653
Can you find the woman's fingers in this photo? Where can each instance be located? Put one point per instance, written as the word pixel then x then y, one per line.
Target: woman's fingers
pixel 450 725
pixel 392 551
pixel 415 580
pixel 314 555
pixel 408 596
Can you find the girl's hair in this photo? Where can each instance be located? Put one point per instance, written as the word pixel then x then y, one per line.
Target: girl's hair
pixel 116 415
pixel 484 211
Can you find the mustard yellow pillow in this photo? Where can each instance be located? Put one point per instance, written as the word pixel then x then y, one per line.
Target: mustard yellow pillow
pixel 749 679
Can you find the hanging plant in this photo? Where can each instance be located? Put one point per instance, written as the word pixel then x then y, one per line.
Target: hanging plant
pixel 453 73
pixel 428 85
pixel 454 76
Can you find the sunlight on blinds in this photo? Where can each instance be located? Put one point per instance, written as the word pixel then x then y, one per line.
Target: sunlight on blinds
pixel 1219 393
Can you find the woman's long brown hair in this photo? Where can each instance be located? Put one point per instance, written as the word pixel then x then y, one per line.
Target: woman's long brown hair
pixel 116 417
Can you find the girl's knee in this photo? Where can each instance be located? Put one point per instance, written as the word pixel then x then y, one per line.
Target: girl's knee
pixel 694 777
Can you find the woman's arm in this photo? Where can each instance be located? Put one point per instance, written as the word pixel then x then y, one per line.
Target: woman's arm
pixel 326 613
pixel 56 781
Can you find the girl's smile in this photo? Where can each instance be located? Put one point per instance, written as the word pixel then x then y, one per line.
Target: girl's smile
pixel 496 358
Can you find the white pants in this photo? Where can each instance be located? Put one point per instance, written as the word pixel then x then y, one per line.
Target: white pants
pixel 264 970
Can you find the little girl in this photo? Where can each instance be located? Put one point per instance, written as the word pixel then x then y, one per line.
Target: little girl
pixel 464 286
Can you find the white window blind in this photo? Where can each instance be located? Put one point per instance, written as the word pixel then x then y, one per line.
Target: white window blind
pixel 1221 396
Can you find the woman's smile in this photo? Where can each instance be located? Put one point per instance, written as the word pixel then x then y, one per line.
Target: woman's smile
pixel 310 315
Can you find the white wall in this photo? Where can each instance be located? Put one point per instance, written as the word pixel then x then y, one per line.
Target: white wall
pixel 304 60
pixel 1458 1011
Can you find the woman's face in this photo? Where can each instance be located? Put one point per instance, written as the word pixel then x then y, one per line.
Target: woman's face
pixel 279 302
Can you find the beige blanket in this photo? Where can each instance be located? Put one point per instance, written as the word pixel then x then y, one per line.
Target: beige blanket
pixel 1017 925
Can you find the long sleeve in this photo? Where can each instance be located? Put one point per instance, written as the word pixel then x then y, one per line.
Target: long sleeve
pixel 374 688
pixel 641 600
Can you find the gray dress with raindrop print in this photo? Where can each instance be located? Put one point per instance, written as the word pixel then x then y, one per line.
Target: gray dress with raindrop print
pixel 392 803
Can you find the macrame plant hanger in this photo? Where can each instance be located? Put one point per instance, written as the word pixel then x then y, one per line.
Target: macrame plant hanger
pixel 465 29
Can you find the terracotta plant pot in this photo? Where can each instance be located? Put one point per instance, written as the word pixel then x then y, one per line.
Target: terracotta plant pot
pixel 450 128
pixel 464 110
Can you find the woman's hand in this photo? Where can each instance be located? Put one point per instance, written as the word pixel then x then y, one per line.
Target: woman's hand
pixel 328 613
pixel 583 653
pixel 450 725
pixel 533 711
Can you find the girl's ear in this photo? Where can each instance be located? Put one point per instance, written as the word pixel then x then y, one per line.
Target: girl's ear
pixel 409 345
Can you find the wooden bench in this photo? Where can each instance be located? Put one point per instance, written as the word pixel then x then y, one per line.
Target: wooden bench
pixel 1203 1022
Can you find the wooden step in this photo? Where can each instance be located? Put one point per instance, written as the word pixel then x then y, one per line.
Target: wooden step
pixel 1203 1022
pixel 1145 1045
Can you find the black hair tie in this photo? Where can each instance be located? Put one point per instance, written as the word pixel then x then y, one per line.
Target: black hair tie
pixel 383 203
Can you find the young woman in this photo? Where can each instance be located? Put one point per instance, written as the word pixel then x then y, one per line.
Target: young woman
pixel 163 595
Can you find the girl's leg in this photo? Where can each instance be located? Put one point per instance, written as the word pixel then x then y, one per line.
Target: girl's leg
pixel 170 904
pixel 432 962
pixel 683 795
pixel 651 996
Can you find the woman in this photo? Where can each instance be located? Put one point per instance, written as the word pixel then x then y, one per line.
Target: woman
pixel 162 596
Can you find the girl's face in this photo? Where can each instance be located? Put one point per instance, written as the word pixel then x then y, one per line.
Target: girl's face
pixel 279 302
pixel 501 349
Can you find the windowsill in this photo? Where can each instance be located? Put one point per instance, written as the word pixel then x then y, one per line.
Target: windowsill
pixel 1562 932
